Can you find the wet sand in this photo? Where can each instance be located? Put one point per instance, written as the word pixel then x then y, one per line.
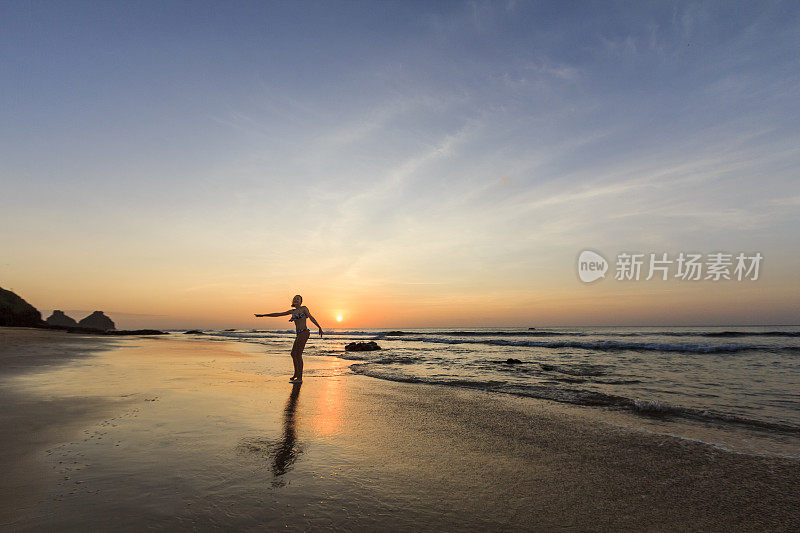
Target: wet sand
pixel 196 434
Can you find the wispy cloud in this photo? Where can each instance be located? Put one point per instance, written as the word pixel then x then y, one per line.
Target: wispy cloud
pixel 444 152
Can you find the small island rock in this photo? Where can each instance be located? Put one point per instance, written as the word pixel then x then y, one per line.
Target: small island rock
pixel 97 320
pixel 58 318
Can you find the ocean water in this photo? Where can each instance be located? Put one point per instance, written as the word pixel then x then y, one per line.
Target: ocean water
pixel 744 380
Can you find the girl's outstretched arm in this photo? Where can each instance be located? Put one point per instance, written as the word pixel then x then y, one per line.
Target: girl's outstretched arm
pixel 289 312
pixel 314 320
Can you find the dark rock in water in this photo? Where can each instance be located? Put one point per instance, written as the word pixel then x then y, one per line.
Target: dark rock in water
pixel 395 333
pixel 137 332
pixel 512 361
pixel 16 312
pixel 193 331
pixel 94 331
pixel 58 318
pixel 362 346
pixel 529 329
pixel 97 320
pixel 232 329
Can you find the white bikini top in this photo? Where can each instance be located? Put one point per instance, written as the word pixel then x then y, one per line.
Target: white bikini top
pixel 297 314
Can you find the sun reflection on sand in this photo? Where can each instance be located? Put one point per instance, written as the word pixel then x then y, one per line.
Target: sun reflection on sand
pixel 328 419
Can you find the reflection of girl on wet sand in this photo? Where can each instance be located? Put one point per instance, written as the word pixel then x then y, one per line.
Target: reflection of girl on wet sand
pixel 299 315
pixel 286 451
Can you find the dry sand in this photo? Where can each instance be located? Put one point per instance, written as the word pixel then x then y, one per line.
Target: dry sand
pixel 179 433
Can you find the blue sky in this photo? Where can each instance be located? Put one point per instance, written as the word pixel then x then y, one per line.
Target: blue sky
pixel 177 158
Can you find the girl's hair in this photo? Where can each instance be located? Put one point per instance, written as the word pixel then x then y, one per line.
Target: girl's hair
pixel 298 297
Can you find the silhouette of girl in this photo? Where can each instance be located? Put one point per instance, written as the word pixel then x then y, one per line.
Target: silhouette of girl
pixel 299 315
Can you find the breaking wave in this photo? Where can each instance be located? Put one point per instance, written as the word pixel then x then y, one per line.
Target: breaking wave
pixel 642 407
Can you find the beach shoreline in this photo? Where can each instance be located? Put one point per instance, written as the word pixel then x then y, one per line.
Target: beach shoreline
pixel 197 434
pixel 695 383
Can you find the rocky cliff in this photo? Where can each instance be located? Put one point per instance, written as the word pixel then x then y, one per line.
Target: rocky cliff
pixel 14 311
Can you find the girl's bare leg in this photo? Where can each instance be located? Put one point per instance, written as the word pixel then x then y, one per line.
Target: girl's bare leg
pixel 297 353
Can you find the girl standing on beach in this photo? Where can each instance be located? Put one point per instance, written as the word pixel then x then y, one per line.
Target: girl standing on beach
pixel 299 315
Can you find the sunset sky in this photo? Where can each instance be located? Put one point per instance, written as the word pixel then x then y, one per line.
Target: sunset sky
pixel 407 164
